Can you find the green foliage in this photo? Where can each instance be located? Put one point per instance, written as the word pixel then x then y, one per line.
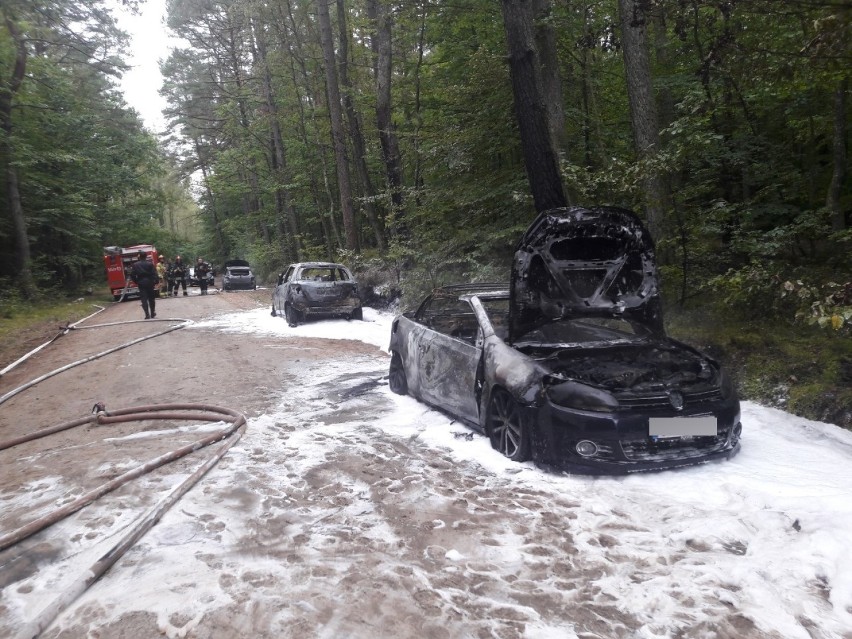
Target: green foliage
pixel 87 172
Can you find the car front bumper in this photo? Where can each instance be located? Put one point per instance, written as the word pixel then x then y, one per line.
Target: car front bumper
pixel 623 442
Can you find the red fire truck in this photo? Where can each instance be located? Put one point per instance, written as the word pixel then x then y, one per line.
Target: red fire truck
pixel 118 261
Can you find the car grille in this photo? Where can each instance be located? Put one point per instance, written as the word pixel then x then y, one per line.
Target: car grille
pixel 661 401
pixel 675 448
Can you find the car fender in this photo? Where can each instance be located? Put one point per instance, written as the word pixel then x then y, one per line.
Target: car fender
pixel 506 368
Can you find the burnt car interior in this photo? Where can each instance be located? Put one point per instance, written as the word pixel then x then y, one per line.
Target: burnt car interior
pixel 451 315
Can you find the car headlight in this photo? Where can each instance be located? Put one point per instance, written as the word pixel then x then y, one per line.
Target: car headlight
pixel 582 397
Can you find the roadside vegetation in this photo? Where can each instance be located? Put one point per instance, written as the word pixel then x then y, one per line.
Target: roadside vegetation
pixel 417 140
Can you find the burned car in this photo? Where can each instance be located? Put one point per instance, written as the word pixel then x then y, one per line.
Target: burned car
pixel 237 274
pixel 316 289
pixel 569 365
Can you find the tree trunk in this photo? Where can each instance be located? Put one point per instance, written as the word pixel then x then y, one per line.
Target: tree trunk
pixel 838 221
pixel 383 60
pixel 284 208
pixel 344 186
pixel 545 42
pixel 23 259
pixel 299 70
pixel 540 157
pixel 223 245
pixel 643 110
pixel 358 146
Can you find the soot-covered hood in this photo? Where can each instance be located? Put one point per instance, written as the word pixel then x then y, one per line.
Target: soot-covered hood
pixel 576 262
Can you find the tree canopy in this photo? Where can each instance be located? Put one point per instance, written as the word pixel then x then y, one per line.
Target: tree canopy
pixel 395 131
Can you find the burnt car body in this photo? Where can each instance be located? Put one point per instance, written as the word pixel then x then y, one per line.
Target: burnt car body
pixel 569 365
pixel 316 289
pixel 238 274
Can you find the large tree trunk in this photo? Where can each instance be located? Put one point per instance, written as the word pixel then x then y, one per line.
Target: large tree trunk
pixel 540 157
pixel 838 221
pixel 545 42
pixel 643 110
pixel 358 146
pixel 381 42
pixel 23 259
pixel 344 186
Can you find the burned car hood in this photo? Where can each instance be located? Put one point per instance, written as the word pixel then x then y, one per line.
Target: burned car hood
pixel 652 365
pixel 576 262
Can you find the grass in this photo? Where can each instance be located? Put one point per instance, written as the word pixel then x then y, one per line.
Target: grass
pixel 26 324
pixel 803 369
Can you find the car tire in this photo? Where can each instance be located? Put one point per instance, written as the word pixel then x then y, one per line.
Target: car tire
pixel 396 376
pixel 274 312
pixel 292 315
pixel 506 427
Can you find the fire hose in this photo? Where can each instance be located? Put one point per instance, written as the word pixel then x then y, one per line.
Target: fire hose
pixel 100 416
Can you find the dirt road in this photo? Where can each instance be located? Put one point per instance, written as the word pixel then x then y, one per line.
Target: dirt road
pixel 343 511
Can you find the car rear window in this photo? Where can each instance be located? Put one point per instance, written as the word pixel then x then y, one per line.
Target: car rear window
pixel 324 274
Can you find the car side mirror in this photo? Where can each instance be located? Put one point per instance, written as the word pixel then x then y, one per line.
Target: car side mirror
pixel 281 278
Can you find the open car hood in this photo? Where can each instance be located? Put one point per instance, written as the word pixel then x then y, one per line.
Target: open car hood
pixel 576 262
pixel 236 263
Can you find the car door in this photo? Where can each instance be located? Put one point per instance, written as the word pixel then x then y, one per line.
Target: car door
pixel 448 357
pixel 280 294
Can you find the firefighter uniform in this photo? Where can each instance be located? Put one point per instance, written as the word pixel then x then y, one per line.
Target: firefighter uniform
pixel 202 269
pixel 162 286
pixel 144 274
pixel 177 276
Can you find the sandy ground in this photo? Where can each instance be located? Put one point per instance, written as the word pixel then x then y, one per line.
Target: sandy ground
pixel 324 522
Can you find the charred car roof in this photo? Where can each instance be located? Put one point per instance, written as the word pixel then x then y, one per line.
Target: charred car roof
pixel 575 262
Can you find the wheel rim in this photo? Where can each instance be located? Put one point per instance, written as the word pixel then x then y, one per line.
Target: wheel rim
pixel 505 426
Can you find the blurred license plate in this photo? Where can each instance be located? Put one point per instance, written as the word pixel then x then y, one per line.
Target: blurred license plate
pixel 704 426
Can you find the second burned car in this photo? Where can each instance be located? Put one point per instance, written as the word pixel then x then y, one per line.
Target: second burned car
pixel 569 365
pixel 316 289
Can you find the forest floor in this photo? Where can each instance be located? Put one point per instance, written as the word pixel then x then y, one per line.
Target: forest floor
pixel 347 511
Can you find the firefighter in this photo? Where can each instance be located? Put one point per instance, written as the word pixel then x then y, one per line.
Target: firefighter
pixel 144 275
pixel 202 269
pixel 161 273
pixel 177 275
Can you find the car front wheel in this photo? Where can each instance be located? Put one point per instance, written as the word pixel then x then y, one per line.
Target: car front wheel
pixel 506 427
pixel 396 376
